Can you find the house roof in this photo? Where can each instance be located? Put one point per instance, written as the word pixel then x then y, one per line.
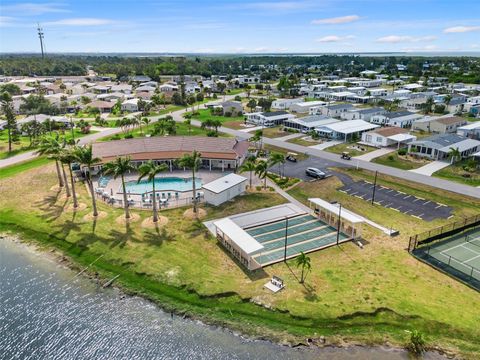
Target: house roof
pixel 439 141
pixel 101 104
pixel 350 126
pixel 389 131
pixel 450 120
pixel 274 113
pixel 170 147
pixel 470 126
pixel 314 120
pixel 224 183
pixel 463 145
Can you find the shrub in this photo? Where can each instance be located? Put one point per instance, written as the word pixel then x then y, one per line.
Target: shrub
pixel 212 133
pixel 128 136
pixel 402 151
pixel 228 114
pixel 391 158
pixel 417 342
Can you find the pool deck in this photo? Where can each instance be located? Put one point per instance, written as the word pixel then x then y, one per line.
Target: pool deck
pixel 114 185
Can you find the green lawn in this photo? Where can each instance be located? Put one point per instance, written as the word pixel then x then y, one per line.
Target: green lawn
pixel 182 130
pixel 399 162
pixel 205 114
pixel 458 174
pixel 369 296
pixel 300 141
pixel 347 147
pixel 12 170
pixel 23 143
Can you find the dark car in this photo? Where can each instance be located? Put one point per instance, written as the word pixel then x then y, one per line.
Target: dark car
pixel 316 173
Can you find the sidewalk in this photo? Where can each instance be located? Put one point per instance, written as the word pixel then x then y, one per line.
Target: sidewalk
pixel 429 169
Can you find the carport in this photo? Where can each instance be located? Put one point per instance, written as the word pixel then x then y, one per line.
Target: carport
pixel 330 213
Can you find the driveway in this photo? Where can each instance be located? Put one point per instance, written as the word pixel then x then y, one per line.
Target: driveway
pixel 374 154
pixel 429 169
pixel 289 137
pixel 325 145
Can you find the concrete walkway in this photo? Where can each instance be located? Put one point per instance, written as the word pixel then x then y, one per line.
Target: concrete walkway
pixel 429 169
pixel 325 145
pixel 374 154
pixel 254 128
pixel 289 137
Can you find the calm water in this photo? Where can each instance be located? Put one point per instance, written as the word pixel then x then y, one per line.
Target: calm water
pixel 46 313
pixel 163 184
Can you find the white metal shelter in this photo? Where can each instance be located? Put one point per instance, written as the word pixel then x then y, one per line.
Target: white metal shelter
pixel 350 224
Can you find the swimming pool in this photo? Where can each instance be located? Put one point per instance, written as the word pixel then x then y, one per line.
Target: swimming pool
pixel 103 181
pixel 162 184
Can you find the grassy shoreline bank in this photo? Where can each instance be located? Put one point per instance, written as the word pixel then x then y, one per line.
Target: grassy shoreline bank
pixel 182 268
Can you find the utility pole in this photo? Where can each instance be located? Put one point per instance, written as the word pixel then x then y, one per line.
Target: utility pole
pixel 374 187
pixel 40 36
pixel 339 222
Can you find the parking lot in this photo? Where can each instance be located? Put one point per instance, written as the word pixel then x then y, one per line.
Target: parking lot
pixel 297 169
pixel 396 200
pixel 399 201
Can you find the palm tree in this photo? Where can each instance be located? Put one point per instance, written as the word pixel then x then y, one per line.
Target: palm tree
pixel 150 170
pixel 146 121
pixel 63 160
pixel 188 122
pixel 454 154
pixel 84 155
pixel 277 159
pixel 119 167
pixel 303 261
pixel 257 137
pixel 67 157
pixel 192 161
pixel 51 147
pixel 8 111
pixel 261 169
pixel 250 167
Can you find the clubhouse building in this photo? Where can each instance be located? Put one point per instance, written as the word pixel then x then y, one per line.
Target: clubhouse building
pixel 225 154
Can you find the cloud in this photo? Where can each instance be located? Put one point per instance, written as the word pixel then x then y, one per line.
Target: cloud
pixel 393 39
pixel 334 38
pixel 461 29
pixel 6 21
pixel 33 8
pixel 337 20
pixel 81 22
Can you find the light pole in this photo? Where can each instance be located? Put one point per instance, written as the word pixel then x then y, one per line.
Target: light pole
pixel 374 187
pixel 286 238
pixel 339 221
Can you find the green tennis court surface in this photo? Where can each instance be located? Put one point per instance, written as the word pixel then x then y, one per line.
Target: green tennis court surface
pixel 304 234
pixel 458 255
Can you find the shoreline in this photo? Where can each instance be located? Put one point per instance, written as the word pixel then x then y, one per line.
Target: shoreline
pixel 55 255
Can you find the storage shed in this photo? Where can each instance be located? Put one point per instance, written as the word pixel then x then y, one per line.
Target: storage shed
pixel 225 188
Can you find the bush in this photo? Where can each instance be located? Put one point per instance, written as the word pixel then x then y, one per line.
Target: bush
pixel 391 158
pixel 228 114
pixel 116 137
pixel 128 136
pixel 238 98
pixel 417 342
pixel 212 133
pixel 402 151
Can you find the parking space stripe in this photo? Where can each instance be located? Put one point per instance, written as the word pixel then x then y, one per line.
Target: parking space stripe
pixel 415 216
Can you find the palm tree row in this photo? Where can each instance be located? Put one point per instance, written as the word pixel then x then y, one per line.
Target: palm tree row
pixel 260 167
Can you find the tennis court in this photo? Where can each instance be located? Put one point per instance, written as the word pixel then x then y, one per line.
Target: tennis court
pixel 303 233
pixel 458 255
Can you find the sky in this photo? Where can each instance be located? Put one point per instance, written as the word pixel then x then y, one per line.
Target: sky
pixel 241 26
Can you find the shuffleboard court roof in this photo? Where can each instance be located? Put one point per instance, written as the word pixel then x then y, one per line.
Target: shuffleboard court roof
pixel 240 237
pixel 335 209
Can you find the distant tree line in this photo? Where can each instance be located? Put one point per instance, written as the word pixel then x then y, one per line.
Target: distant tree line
pixel 458 69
